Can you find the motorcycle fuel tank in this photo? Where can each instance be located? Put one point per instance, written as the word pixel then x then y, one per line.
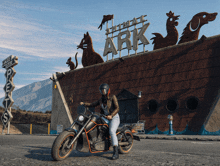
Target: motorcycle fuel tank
pixel 91 123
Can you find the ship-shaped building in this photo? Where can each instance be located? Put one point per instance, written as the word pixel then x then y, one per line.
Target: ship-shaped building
pixel 180 80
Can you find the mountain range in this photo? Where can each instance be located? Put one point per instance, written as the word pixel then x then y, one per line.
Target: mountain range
pixel 33 97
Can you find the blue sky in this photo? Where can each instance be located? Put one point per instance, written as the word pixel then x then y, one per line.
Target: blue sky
pixel 43 34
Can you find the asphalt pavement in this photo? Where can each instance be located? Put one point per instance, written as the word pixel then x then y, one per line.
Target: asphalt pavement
pixel 26 150
pixel 166 137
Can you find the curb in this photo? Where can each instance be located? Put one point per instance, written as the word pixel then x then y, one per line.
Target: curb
pixel 180 137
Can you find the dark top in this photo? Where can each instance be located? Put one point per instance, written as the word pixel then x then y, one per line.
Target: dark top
pixel 112 104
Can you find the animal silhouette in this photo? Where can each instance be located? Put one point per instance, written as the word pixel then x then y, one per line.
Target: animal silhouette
pixel 172 34
pixel 71 64
pixel 191 32
pixel 105 19
pixel 89 57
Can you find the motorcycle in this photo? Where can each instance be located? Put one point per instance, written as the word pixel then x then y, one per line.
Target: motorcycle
pixel 90 133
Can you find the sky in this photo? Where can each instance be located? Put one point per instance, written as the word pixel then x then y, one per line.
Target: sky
pixel 43 34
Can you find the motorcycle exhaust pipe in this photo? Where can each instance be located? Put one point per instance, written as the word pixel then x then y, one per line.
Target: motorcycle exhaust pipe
pixel 123 143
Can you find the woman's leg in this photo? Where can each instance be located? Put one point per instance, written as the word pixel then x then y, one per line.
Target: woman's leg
pixel 113 126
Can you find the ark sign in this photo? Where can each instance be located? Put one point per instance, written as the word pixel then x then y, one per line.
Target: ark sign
pixel 124 36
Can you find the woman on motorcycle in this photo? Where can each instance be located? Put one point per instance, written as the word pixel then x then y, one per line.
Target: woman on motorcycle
pixel 109 107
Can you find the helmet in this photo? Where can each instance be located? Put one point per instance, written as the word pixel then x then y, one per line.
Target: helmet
pixel 104 89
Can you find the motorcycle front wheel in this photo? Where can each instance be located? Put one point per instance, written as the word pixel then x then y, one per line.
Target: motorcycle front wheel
pixel 59 149
pixel 123 149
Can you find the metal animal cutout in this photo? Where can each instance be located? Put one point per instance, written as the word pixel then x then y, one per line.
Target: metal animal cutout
pixel 105 19
pixel 89 57
pixel 71 64
pixel 191 32
pixel 172 34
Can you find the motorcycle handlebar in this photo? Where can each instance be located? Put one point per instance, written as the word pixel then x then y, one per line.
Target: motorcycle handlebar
pixel 101 115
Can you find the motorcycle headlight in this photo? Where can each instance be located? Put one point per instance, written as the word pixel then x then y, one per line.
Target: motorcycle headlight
pixel 81 118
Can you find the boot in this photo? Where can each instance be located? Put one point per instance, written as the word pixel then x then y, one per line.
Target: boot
pixel 115 153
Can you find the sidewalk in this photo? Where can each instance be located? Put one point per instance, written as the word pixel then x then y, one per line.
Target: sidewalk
pixel 180 137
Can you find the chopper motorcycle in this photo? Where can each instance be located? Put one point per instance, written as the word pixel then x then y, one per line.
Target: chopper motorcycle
pixel 90 133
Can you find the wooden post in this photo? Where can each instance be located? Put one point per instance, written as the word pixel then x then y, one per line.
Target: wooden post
pixel 48 128
pixel 30 128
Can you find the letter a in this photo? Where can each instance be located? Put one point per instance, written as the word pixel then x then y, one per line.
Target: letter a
pixel 110 49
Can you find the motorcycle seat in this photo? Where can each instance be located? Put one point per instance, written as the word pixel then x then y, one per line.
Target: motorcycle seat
pixel 122 128
pixel 119 129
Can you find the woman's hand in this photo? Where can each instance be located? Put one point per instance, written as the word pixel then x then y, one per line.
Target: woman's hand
pixel 109 117
pixel 81 103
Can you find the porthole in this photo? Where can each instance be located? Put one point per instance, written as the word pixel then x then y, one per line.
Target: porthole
pixel 172 105
pixel 192 103
pixel 153 105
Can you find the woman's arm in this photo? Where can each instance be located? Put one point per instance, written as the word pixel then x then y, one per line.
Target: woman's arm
pixel 94 104
pixel 115 102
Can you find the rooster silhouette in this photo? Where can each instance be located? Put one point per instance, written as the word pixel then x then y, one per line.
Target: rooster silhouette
pixel 172 34
pixel 191 32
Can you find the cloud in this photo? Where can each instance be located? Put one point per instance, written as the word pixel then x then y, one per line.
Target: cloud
pixel 64 69
pixel 60 69
pixel 37 76
pixel 35 39
pixel 80 66
pixel 30 36
pixel 28 6
pixel 39 40
pixel 2 94
pixel 83 27
pixel 1 86
pixel 2 70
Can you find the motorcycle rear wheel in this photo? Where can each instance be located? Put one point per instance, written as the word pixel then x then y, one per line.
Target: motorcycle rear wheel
pixel 59 149
pixel 123 149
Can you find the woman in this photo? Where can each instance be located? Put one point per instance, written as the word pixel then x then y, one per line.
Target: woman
pixel 109 107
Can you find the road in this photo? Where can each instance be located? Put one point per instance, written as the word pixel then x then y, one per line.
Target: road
pixel 34 150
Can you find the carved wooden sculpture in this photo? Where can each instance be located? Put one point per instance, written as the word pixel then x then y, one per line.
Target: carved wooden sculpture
pixel 105 19
pixel 172 34
pixel 89 57
pixel 191 32
pixel 71 64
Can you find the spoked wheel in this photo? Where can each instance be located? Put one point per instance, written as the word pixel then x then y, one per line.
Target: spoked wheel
pixel 59 150
pixel 123 149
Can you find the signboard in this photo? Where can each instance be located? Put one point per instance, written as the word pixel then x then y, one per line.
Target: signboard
pixel 59 129
pixel 124 36
pixel 11 61
pixel 8 64
pixel 6 117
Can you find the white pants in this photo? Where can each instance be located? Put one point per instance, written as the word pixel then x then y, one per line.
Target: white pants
pixel 113 126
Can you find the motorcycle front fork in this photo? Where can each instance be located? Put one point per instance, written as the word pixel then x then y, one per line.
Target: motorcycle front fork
pixel 78 134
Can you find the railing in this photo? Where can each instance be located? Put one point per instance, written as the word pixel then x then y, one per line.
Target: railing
pixel 21 128
pixel 48 129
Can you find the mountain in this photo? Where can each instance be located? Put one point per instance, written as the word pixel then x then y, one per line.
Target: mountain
pixel 34 97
